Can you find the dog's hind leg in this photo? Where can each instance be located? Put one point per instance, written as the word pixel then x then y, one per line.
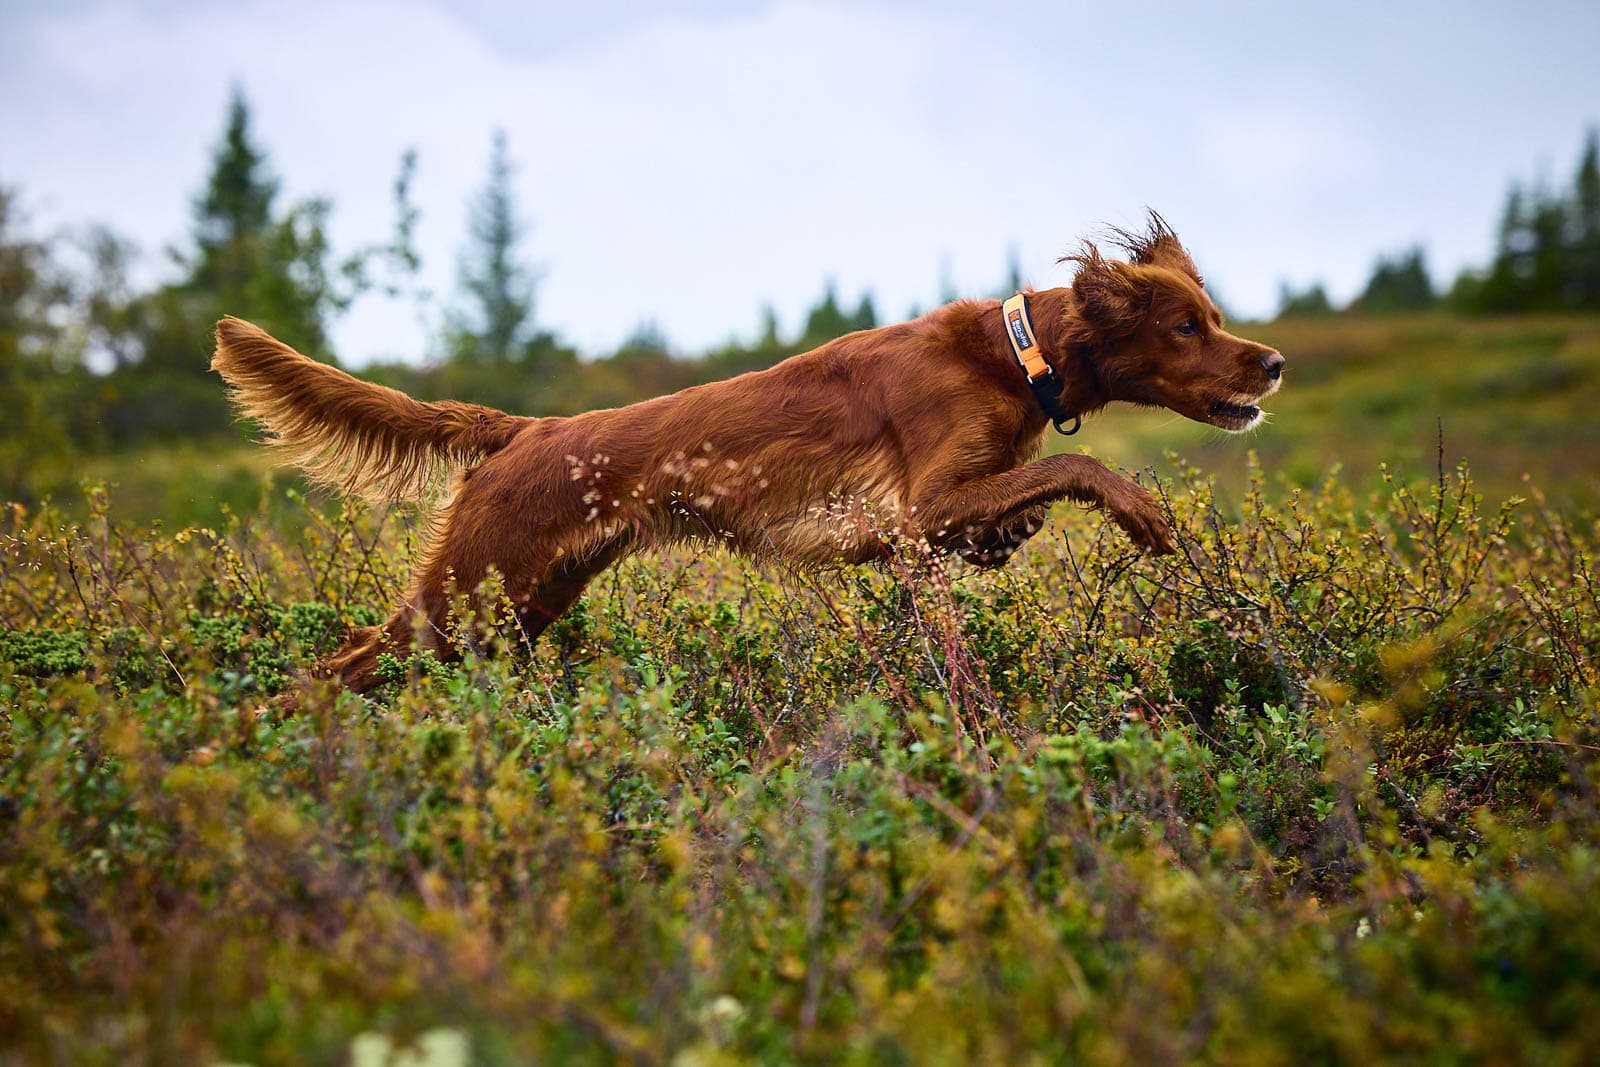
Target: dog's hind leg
pixel 423 621
pixel 418 624
pixel 543 604
pixel 520 515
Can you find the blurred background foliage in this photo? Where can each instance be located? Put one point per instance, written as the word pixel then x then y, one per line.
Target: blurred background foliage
pixel 104 378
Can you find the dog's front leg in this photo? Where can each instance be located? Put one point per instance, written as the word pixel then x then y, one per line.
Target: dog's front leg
pixel 952 515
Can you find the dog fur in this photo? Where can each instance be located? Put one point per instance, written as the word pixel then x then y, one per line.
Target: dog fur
pixel 924 429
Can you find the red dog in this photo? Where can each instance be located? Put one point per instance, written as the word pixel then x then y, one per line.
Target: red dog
pixel 923 429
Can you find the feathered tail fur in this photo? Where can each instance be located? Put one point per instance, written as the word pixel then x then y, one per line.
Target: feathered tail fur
pixel 361 439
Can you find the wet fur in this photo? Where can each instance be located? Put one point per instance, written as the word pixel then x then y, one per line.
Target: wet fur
pixel 925 429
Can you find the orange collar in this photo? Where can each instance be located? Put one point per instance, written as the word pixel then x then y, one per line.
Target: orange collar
pixel 1030 357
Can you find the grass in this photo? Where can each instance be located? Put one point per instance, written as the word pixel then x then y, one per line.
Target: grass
pixel 1321 788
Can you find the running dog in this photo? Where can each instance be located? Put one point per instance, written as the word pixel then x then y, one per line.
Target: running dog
pixel 926 429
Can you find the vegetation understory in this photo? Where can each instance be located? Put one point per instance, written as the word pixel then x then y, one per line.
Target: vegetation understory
pixel 1320 788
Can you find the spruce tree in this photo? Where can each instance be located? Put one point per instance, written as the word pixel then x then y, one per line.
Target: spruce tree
pixel 826 320
pixel 1311 302
pixel 1400 283
pixel 866 316
pixel 1547 257
pixel 233 215
pixel 770 339
pixel 1585 227
pixel 232 220
pixel 1507 284
pixel 1550 261
pixel 246 260
pixel 497 322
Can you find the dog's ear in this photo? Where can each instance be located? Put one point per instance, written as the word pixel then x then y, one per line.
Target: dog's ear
pixel 1112 298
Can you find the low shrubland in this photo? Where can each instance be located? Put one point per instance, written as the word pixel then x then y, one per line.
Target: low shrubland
pixel 1319 788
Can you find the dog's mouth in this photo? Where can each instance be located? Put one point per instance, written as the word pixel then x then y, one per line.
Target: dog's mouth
pixel 1233 417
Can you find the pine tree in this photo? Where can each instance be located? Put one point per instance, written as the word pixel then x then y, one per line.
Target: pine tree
pixel 1548 283
pixel 245 260
pixel 1585 226
pixel 233 215
pixel 498 322
pixel 825 320
pixel 770 339
pixel 1507 284
pixel 1398 284
pixel 1311 302
pixel 1547 256
pixel 866 316
pixel 1586 189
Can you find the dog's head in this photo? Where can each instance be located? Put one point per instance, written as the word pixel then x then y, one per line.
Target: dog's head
pixel 1154 338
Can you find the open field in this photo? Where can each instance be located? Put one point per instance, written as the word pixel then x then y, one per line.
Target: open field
pixel 1321 789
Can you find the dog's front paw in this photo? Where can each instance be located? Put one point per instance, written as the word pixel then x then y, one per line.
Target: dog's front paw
pixel 1137 512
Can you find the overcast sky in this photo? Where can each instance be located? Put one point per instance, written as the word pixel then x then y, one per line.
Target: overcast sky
pixel 687 163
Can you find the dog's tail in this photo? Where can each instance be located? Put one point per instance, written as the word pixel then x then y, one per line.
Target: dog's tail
pixel 353 436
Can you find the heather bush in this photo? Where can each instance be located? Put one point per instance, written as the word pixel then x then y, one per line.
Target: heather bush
pixel 1319 788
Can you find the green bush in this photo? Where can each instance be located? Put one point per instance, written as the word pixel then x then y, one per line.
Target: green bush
pixel 43 652
pixel 1322 787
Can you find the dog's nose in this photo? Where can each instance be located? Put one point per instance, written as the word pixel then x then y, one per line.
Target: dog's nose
pixel 1273 363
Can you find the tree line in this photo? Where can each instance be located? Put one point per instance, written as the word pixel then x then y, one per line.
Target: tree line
pixel 1546 258
pixel 91 362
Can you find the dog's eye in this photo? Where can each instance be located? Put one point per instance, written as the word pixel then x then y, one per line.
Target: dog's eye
pixel 1186 328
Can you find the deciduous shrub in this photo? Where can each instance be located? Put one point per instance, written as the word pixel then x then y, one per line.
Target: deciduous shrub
pixel 1320 788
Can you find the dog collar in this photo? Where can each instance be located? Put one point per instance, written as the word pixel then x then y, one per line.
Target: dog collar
pixel 1030 357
